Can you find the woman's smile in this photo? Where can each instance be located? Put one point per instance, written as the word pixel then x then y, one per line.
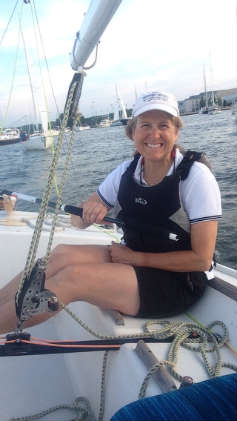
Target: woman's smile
pixel 155 135
pixel 153 146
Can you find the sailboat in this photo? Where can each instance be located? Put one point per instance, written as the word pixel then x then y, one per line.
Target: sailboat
pixel 59 366
pixel 45 136
pixel 210 106
pixel 122 112
pixel 41 140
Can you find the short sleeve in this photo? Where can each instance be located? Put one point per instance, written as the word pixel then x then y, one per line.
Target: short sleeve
pixel 200 195
pixel 108 189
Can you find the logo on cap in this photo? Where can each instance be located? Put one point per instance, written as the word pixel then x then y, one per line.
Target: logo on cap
pixel 155 96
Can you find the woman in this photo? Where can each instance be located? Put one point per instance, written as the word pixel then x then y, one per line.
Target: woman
pixel 170 205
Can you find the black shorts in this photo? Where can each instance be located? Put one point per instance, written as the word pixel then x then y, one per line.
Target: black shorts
pixel 166 294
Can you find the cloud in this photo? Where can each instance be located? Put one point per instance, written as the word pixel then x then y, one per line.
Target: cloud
pixel 147 44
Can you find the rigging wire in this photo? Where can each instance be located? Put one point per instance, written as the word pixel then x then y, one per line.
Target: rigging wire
pixel 45 58
pixel 13 76
pixel 35 27
pixel 29 73
pixel 37 30
pixel 39 61
pixel 6 29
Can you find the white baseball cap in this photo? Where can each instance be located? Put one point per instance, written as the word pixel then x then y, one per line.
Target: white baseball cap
pixel 156 100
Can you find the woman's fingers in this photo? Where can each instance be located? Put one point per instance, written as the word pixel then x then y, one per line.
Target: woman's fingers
pixel 94 211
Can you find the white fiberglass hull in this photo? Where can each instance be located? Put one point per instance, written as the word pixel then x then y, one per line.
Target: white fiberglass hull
pixel 47 380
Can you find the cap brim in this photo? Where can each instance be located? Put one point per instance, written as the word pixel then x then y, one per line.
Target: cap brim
pixel 158 107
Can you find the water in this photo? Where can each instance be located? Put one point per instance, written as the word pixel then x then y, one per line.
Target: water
pixel 98 151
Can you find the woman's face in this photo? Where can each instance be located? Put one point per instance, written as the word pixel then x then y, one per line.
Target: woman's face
pixel 155 135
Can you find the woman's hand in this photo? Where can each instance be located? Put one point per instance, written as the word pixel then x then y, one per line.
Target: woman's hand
pixel 94 211
pixel 122 254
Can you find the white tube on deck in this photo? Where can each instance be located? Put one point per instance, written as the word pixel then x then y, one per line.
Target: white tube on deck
pixel 97 17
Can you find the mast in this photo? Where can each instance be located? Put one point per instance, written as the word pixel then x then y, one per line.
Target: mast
pixel 205 87
pixel 29 76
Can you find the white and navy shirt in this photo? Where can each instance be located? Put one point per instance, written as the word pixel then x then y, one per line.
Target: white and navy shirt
pixel 199 192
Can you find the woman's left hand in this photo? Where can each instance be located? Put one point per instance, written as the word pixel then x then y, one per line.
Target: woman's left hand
pixel 121 254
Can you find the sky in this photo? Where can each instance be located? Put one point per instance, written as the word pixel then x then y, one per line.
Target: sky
pixel 149 44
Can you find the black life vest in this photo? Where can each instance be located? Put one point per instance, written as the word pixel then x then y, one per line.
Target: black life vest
pixel 154 218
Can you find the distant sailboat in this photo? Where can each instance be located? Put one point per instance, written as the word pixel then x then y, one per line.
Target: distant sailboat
pixel 41 140
pixel 44 137
pixel 210 106
pixel 122 113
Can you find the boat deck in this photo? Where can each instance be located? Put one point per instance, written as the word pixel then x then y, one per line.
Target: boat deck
pixel 38 382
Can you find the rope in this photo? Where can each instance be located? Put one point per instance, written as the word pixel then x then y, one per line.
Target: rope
pixel 204 343
pixel 102 387
pixel 43 209
pixel 150 373
pixel 80 406
pixel 207 343
pixel 108 232
pixel 60 192
pixel 204 339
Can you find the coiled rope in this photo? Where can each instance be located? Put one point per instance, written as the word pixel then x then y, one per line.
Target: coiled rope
pixel 80 406
pixel 203 341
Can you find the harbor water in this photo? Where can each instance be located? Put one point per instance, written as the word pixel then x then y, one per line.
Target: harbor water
pixel 97 151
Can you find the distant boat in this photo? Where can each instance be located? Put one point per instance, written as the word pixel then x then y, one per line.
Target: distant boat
pixel 234 109
pixel 123 118
pixel 213 108
pixel 105 123
pixel 116 123
pixel 44 140
pixel 11 136
pixel 81 128
pixel 122 122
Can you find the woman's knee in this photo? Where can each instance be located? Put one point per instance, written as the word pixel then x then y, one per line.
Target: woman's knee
pixel 60 249
pixel 62 284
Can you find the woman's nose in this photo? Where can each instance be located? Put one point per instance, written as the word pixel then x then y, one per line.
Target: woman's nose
pixel 155 131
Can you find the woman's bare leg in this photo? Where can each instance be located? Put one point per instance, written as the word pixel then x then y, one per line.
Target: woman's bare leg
pixel 63 255
pixel 9 289
pixel 108 285
pixel 66 255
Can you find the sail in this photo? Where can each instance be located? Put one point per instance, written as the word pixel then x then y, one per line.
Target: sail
pixel 44 121
pixel 121 103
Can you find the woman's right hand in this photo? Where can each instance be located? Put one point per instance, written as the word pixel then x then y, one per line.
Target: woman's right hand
pixel 94 211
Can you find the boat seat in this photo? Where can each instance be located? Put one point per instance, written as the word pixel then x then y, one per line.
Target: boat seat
pixel 213 399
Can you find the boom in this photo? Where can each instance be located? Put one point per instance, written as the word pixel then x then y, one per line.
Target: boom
pixel 97 17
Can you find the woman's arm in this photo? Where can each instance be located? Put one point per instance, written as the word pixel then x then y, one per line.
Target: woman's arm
pixel 203 240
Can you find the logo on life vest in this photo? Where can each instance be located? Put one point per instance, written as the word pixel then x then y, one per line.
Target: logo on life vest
pixel 141 201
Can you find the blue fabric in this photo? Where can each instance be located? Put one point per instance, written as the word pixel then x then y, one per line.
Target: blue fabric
pixel 211 400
